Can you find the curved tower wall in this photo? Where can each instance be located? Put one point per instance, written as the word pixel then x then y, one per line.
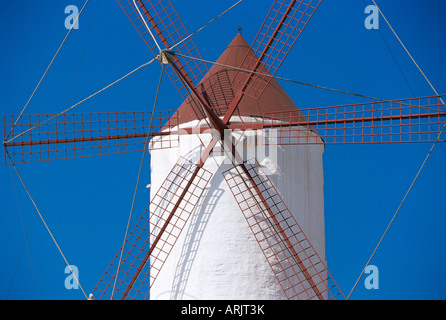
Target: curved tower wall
pixel 216 255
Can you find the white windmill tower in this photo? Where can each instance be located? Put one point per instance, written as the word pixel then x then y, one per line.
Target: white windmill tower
pixel 217 256
pixel 216 229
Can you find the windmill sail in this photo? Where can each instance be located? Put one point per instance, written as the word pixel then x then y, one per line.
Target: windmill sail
pixel 282 27
pixel 298 268
pixel 168 29
pixel 397 121
pixel 43 137
pixel 154 235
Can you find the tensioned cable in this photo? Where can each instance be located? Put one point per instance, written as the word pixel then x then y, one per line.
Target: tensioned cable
pixel 45 224
pixel 276 77
pixel 83 52
pixel 422 165
pixel 394 58
pixel 46 71
pixel 82 101
pixel 407 51
pixel 25 245
pixel 298 82
pixel 399 207
pixel 137 181
pixel 145 23
pixel 26 232
pixel 198 30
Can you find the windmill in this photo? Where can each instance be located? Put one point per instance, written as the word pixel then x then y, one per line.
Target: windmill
pixel 345 124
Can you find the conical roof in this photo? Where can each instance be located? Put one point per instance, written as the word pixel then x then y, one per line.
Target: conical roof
pixel 217 87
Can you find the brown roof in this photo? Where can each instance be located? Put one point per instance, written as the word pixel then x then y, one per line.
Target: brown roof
pixel 218 85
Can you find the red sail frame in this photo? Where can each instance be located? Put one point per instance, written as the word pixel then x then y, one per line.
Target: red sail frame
pixel 396 121
pixel 168 29
pixel 298 268
pixel 77 135
pixel 150 242
pixel 279 32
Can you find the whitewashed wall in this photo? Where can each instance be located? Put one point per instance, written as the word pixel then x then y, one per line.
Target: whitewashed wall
pixel 217 256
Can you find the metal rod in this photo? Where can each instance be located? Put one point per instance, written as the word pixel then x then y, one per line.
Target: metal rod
pixel 145 23
pixel 252 126
pixel 162 37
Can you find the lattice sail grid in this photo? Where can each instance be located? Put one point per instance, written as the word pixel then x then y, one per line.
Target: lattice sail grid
pixel 154 235
pixel 298 268
pixel 168 30
pixel 42 137
pixel 282 27
pixel 396 121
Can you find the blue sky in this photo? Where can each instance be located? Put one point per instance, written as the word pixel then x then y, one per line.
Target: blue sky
pixel 86 202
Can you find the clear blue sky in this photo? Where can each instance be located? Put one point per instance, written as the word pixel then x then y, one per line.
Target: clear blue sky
pixel 86 202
